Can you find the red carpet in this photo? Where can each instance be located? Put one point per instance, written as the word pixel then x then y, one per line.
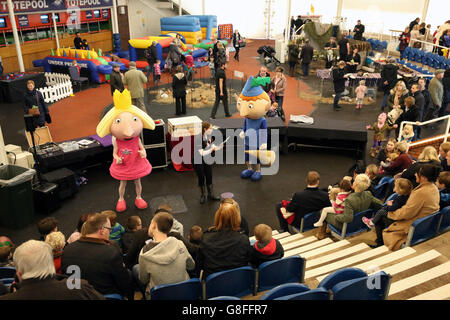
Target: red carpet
pixel 78 116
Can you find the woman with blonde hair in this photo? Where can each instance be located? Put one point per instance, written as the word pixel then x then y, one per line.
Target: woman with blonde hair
pixel 223 247
pixel 415 35
pixel 397 95
pixel 429 155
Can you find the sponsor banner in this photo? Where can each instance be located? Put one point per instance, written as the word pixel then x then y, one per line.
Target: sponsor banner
pixel 28 6
pixel 23 21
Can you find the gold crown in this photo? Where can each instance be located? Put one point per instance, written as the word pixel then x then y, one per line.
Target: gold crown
pixel 122 100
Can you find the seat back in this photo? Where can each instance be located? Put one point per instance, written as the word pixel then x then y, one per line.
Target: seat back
pixel 341 275
pixel 284 290
pixel 225 298
pixel 391 197
pixel 315 294
pixel 186 290
pixel 281 271
pixel 355 226
pixel 423 229
pixel 373 287
pixel 7 281
pixel 113 296
pixel 445 220
pixel 73 72
pixel 308 221
pixel 7 272
pixel 236 282
pixel 380 188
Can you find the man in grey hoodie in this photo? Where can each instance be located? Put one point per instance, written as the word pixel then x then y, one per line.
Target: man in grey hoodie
pixel 165 259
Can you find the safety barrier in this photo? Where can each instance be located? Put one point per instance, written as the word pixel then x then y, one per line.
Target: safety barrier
pixel 58 87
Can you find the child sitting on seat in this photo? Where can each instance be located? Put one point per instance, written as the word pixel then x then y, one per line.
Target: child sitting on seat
pixel 57 241
pixel 403 188
pixel 443 184
pixel 6 247
pixel 265 248
pixel 117 230
pixel 134 223
pixel 337 198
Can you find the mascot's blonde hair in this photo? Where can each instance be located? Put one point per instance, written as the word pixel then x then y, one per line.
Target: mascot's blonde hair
pixel 122 103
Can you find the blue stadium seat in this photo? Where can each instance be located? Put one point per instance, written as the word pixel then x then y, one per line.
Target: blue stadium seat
pixel 7 281
pixel 381 187
pixel 307 222
pixel 186 290
pixel 284 290
pixel 340 276
pixel 315 294
pixel 391 197
pixel 236 282
pixel 354 227
pixel 423 229
pixel 225 298
pixel 373 287
pixel 445 220
pixel 276 272
pixel 113 296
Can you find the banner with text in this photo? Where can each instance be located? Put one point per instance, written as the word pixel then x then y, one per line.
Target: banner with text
pixel 29 6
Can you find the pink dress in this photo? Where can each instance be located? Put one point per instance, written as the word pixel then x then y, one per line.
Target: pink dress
pixel 133 166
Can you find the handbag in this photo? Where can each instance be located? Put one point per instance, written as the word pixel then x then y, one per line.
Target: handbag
pixel 34 111
pixel 241 43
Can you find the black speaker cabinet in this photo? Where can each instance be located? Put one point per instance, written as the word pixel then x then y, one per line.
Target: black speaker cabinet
pixel 65 179
pixel 156 136
pixel 46 199
pixel 157 155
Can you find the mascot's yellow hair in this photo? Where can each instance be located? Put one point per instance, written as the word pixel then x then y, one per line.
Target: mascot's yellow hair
pixel 122 103
pixel 262 96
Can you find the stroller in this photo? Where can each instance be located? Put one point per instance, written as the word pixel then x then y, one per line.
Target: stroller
pixel 268 54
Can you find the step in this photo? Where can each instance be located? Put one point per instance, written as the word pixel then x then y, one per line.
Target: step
pixel 419 278
pixel 274 232
pixel 325 249
pixel 336 255
pixel 374 265
pixel 345 263
pixel 299 243
pixel 292 238
pixel 311 246
pixel 281 235
pixel 411 263
pixel 441 293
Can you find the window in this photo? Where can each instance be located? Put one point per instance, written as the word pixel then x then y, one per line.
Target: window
pixel 57 17
pixel 3 23
pixel 44 18
pixel 96 13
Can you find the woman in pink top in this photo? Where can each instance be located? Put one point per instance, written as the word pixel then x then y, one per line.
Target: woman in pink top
pixel 337 201
pixel 360 93
pixel 125 122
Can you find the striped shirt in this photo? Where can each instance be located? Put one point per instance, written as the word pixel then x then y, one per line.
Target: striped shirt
pixel 339 204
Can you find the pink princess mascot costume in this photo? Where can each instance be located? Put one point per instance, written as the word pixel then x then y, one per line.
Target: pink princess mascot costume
pixel 125 123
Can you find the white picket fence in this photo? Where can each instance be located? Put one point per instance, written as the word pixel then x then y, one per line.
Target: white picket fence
pixel 58 87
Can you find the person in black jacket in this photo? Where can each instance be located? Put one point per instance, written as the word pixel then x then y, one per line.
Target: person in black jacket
pixel 306 56
pixel 266 248
pixel 223 247
pixel 309 200
pixel 35 101
pixel 353 60
pixel 134 224
pixel 344 46
pixel 115 79
pixel 330 47
pixel 388 80
pixel 420 104
pixel 292 58
pixel 427 108
pixel 358 30
pixel 413 23
pixel 339 78
pixel 151 55
pixel 37 279
pixel 236 43
pixel 77 41
pixel 203 169
pixel 99 262
pixel 179 83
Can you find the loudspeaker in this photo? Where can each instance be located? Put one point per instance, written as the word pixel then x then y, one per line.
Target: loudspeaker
pixel 154 136
pixel 29 126
pixel 46 199
pixel 157 156
pixel 65 179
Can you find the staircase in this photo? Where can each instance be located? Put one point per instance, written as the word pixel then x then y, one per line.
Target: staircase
pixel 171 5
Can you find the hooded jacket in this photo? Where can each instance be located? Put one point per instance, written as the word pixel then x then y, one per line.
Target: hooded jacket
pixel 179 83
pixel 263 252
pixel 164 262
pixel 389 74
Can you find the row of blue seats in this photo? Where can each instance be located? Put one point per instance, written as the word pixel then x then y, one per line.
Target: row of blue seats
pixel 376 44
pixel 429 59
pixel 344 284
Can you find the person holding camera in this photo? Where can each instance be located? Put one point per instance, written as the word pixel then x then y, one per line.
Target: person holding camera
pixel 36 106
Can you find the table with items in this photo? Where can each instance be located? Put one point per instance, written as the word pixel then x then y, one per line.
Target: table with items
pixel 13 86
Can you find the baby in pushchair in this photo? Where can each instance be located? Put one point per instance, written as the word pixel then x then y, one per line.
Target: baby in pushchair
pixel 268 53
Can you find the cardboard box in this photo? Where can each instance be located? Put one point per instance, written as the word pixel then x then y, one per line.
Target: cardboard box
pixel 184 126
pixel 20 159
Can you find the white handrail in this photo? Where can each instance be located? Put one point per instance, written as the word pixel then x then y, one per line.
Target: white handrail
pixel 403 123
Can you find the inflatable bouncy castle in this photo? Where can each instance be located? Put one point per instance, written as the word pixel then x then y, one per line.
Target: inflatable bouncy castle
pixel 208 25
pixel 187 26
